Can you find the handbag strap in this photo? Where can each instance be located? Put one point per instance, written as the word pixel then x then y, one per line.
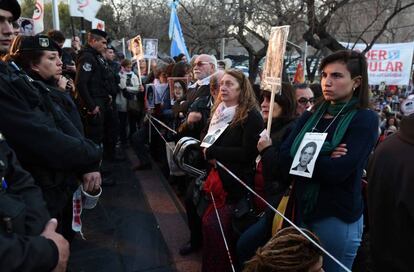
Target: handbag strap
pixel 282 208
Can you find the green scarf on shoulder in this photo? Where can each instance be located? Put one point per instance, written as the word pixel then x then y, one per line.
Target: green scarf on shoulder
pixel 311 192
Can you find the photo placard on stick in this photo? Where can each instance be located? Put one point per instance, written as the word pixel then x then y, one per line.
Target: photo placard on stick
pixel 135 46
pixel 150 48
pixel 272 72
pixel 177 91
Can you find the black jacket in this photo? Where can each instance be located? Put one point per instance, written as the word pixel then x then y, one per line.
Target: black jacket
pixel 191 95
pixel 92 77
pixel 45 141
pixel 236 149
pixel 390 201
pixel 62 102
pixel 275 180
pixel 23 216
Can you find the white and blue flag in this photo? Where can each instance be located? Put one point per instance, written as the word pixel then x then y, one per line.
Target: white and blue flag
pixel 176 34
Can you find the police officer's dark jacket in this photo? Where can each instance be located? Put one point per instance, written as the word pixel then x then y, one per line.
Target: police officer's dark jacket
pixel 23 216
pixel 113 77
pixel 46 142
pixel 92 77
pixel 62 101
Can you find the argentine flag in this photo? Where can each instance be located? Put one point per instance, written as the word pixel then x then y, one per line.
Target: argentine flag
pixel 176 35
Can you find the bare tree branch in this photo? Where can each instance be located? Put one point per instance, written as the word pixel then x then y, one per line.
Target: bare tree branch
pixel 398 8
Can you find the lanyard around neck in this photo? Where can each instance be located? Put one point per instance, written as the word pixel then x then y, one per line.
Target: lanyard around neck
pixel 336 116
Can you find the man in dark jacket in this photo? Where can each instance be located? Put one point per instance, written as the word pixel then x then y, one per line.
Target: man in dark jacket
pixel 198 99
pixel 95 87
pixel 390 198
pixel 9 12
pixel 28 240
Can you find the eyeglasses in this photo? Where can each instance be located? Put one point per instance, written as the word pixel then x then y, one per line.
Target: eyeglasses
pixel 304 100
pixel 201 63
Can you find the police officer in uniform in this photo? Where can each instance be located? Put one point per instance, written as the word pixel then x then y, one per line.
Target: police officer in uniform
pixel 114 79
pixel 93 83
pixel 28 240
pixel 45 141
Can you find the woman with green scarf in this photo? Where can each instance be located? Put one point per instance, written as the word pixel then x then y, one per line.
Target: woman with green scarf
pixel 329 203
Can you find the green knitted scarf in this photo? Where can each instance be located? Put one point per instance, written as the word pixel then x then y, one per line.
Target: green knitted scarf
pixel 311 192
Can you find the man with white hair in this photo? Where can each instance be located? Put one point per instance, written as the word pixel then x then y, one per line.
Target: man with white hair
pixel 199 101
pixel 204 67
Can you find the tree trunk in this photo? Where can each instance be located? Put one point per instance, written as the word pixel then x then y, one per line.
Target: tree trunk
pixel 253 67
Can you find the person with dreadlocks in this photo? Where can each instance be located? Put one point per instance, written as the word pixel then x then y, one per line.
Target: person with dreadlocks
pixel 287 251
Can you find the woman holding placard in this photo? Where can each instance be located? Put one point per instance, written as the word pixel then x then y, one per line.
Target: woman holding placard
pixel 236 116
pixel 268 181
pixel 328 197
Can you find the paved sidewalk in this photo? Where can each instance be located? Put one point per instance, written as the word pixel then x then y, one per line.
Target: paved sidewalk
pixel 121 232
pixel 169 213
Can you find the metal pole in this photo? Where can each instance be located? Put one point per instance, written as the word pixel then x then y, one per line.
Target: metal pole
pixel 123 47
pixel 72 26
pixel 223 45
pixel 304 60
pixel 55 14
pixel 295 45
pixel 83 32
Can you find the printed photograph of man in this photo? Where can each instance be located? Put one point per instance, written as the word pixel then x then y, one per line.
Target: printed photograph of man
pixel 26 27
pixel 306 156
pixel 210 139
pixel 150 48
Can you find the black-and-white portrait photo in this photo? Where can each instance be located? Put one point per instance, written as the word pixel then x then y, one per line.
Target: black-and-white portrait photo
pixel 26 26
pixel 150 48
pixel 306 156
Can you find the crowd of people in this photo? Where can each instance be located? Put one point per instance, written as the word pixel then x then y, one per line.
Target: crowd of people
pixel 67 114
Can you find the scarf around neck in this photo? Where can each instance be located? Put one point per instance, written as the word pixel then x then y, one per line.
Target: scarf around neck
pixel 221 117
pixel 311 192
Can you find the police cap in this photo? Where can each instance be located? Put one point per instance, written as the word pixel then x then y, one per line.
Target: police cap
pixel 98 32
pixel 38 42
pixel 109 44
pixel 12 6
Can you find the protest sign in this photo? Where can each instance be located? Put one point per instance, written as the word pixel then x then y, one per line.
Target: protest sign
pixel 150 48
pixel 389 63
pixel 272 72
